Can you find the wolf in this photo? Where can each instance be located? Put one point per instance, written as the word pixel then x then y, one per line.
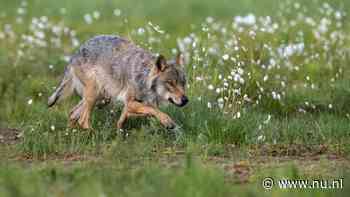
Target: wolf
pixel 109 68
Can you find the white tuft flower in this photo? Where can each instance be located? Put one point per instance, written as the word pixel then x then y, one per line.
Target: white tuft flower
pixel 261 138
pixel 140 31
pixel 88 18
pixel 209 105
pixel 250 20
pixel 199 78
pixel 75 42
pixel 240 71
pixel 237 115
pixel 266 77
pixel 117 12
pixel 268 119
pixel 209 19
pixel 225 57
pixel 338 15
pixel 21 11
pixel 96 14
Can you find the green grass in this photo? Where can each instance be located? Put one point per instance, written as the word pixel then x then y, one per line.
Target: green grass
pixel 222 151
pixel 120 174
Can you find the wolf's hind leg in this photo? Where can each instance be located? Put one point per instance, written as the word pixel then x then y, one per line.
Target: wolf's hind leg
pixel 75 114
pixel 89 99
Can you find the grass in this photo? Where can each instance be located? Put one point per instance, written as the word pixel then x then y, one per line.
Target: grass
pixel 289 117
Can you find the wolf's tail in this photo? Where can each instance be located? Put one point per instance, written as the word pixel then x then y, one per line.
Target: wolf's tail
pixel 64 89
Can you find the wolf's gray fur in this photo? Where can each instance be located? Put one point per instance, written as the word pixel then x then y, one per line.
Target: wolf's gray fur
pixel 109 67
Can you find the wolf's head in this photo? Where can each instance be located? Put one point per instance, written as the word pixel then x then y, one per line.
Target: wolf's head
pixel 170 80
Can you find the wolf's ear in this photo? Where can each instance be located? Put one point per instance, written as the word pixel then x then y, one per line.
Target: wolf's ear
pixel 180 59
pixel 161 63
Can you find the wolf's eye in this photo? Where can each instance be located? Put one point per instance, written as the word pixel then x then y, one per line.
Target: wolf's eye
pixel 170 83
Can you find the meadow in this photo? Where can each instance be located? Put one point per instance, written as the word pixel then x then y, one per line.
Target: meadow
pixel 268 82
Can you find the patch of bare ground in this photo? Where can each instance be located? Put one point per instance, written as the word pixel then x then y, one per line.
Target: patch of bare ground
pixel 65 158
pixel 318 160
pixel 9 136
pixel 240 164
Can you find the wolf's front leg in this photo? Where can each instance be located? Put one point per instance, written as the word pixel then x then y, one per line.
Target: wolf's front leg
pixel 123 117
pixel 134 108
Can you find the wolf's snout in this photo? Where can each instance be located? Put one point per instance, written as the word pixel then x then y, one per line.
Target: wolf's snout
pixel 179 102
pixel 184 101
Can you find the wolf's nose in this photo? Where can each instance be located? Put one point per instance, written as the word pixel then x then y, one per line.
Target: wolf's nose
pixel 184 100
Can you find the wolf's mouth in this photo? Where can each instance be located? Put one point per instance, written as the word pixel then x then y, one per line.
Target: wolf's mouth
pixel 173 102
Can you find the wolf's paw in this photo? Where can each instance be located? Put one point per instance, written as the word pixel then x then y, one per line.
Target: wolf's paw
pixel 168 122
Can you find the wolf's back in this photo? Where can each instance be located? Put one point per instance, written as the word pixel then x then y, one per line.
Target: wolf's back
pixel 118 59
pixel 101 48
